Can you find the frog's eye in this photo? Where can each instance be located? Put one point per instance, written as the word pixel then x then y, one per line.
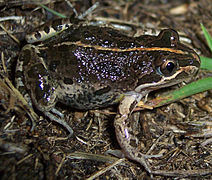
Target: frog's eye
pixel 168 68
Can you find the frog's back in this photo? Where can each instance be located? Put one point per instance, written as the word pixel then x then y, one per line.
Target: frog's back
pixel 101 36
pixel 95 55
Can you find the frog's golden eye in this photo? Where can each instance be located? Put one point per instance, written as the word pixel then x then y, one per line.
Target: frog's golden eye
pixel 168 68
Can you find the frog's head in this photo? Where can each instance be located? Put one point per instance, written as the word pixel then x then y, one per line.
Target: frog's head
pixel 170 62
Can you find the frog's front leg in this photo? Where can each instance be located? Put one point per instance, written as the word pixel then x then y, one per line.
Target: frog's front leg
pixel 124 131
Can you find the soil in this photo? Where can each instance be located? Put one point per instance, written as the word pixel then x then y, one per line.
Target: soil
pixel 180 131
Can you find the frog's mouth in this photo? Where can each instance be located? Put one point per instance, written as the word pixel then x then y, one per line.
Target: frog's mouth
pixel 184 74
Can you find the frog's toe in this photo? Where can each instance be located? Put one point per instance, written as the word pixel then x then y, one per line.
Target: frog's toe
pixel 33 118
pixel 55 111
pixel 61 121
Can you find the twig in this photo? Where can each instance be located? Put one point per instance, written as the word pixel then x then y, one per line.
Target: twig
pixel 13 37
pixel 15 18
pixel 99 173
pixel 60 165
pixel 25 158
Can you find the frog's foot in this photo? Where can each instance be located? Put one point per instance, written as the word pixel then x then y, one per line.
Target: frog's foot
pixel 117 153
pixel 58 117
pixel 124 132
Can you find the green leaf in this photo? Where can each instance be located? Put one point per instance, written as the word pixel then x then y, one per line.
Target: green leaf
pixel 53 12
pixel 188 90
pixel 207 36
pixel 206 63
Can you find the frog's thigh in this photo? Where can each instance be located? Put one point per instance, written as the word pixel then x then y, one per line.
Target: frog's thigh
pixel 124 132
pixel 42 87
pixel 45 32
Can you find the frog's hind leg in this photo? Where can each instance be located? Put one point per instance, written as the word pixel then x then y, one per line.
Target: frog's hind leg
pixel 35 79
pixel 124 132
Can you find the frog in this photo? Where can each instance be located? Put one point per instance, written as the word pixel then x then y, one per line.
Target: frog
pixel 90 67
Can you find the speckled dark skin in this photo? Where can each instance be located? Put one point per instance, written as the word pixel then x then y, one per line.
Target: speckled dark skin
pixel 89 67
